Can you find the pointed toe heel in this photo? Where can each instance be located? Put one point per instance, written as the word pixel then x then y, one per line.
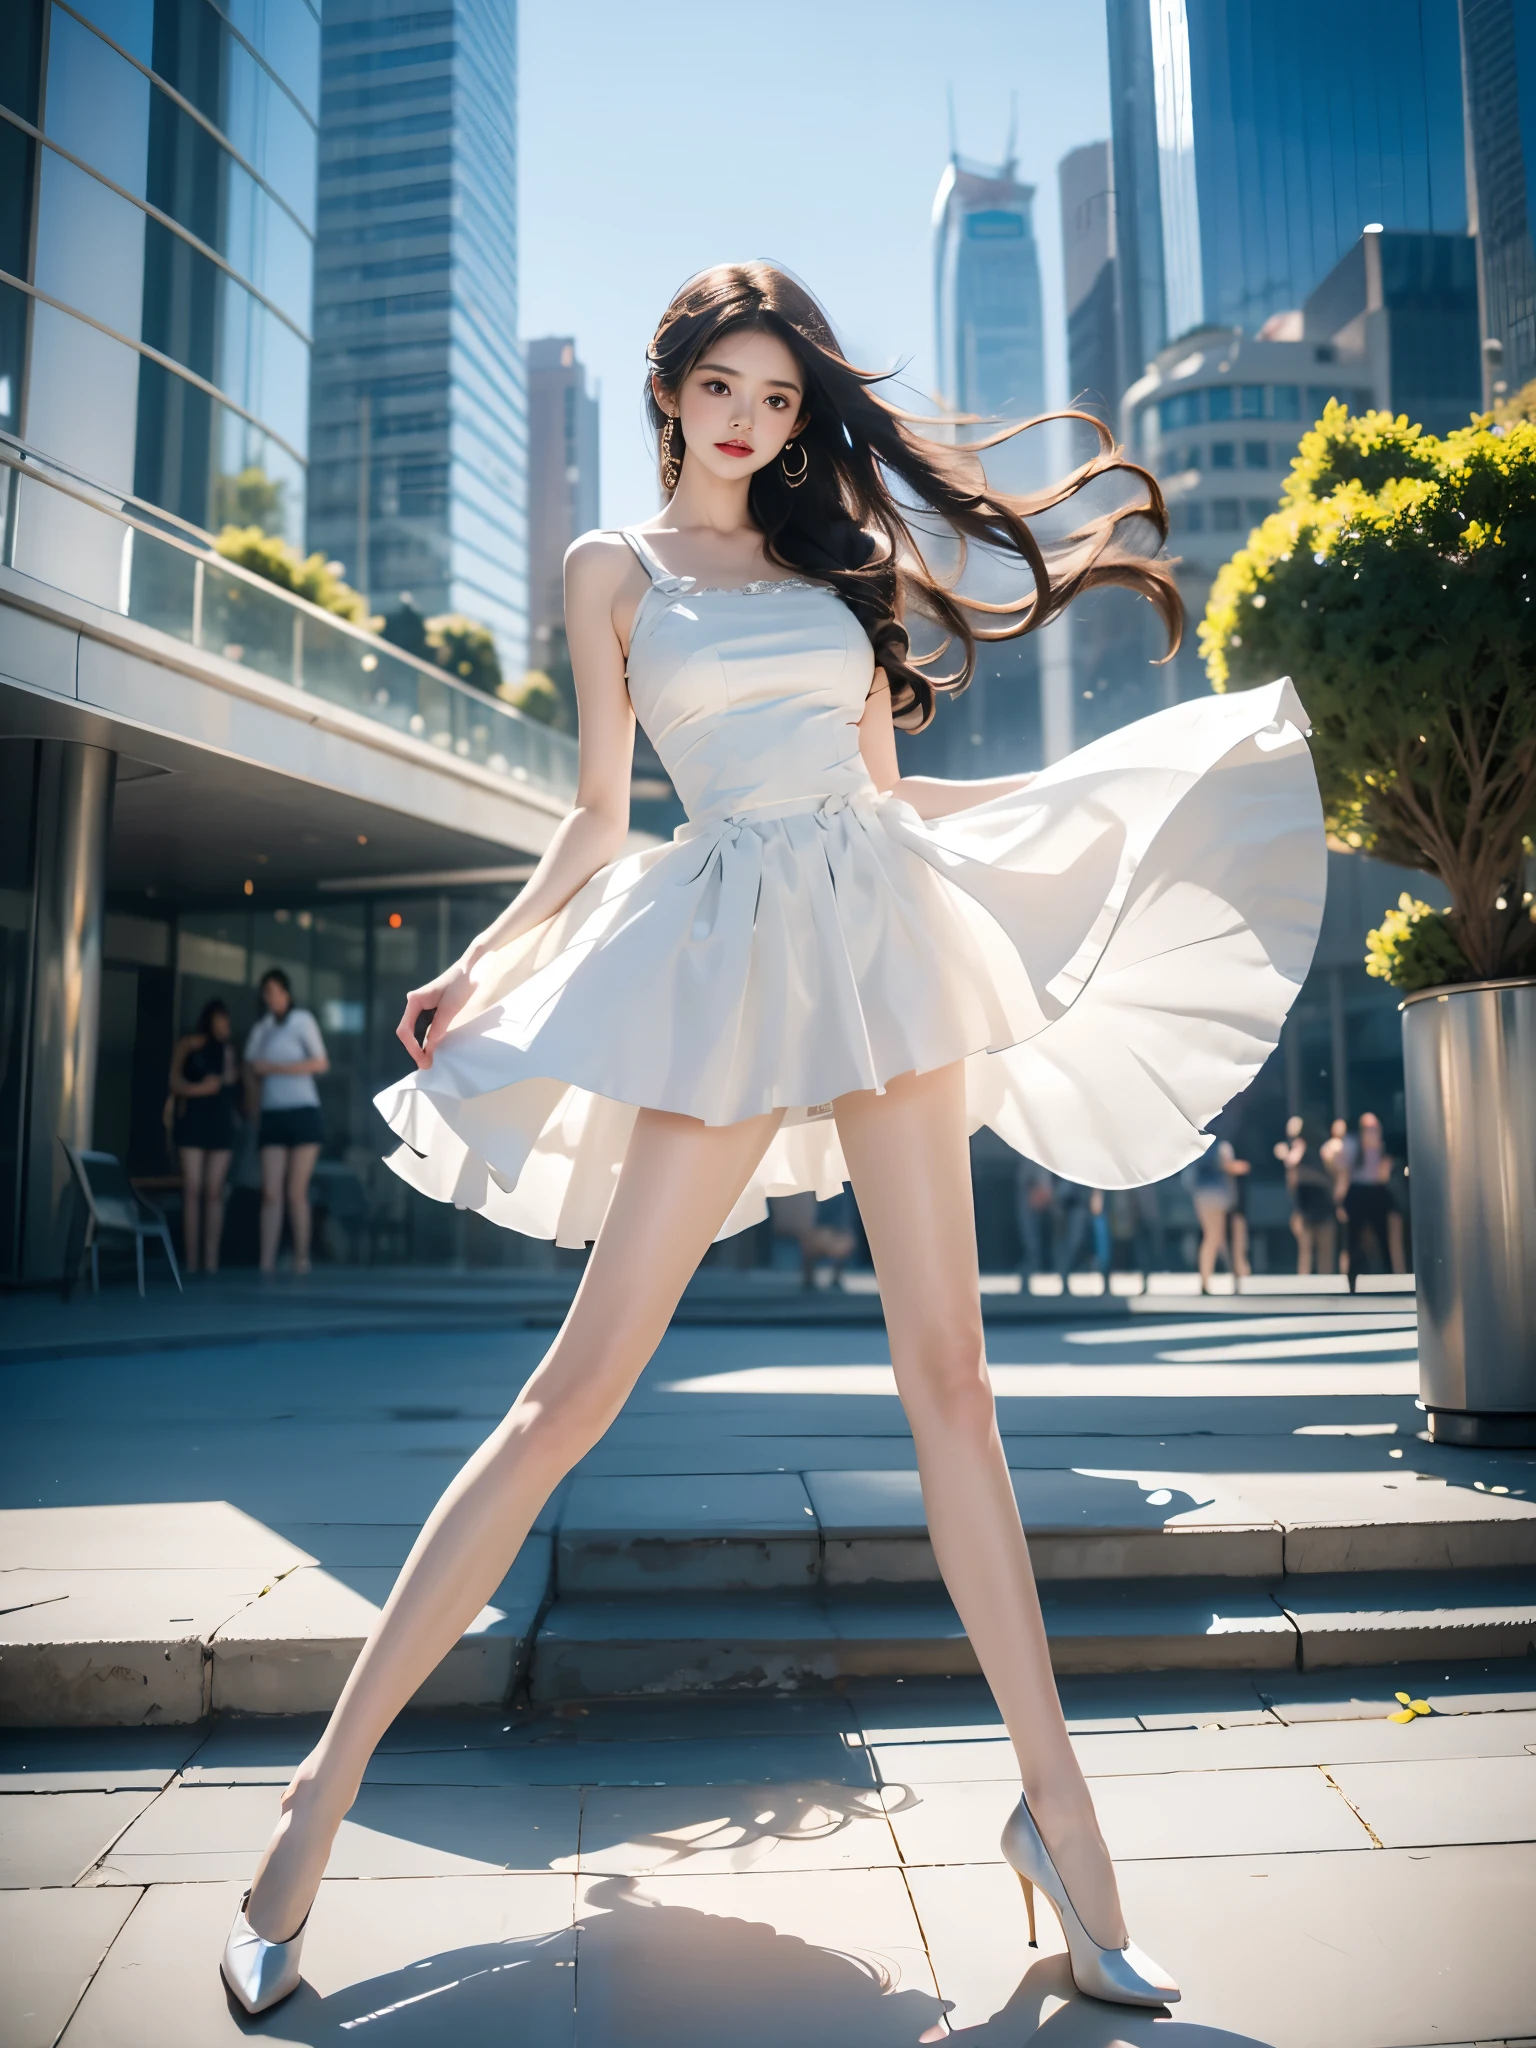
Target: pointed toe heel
pixel 260 1973
pixel 1122 1976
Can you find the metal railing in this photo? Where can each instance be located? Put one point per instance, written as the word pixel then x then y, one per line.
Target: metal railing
pixel 160 572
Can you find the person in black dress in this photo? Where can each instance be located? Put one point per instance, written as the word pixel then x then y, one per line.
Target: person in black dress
pixel 205 1073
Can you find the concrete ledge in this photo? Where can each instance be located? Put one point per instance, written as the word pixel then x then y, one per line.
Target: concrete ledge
pixel 1080 1525
pixel 1392 1617
pixel 725 1533
pixel 291 1651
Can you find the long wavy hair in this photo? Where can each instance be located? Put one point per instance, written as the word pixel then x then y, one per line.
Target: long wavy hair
pixel 843 525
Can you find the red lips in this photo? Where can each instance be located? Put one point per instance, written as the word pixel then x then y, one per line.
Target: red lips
pixel 733 448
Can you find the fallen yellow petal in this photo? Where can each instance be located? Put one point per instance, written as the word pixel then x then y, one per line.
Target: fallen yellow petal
pixel 1402 1699
pixel 1419 1706
pixel 1404 1714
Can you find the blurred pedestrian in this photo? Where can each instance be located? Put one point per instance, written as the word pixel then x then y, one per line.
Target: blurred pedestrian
pixel 1238 1172
pixel 283 1055
pixel 205 1072
pixel 1036 1217
pixel 1212 1183
pixel 822 1240
pixel 1365 1170
pixel 1082 1227
pixel 1310 1186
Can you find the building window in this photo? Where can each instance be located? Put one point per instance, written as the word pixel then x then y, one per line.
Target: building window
pixel 1182 410
pixel 1255 455
pixel 1223 455
pixel 1258 510
pixel 1251 401
pixel 1220 403
pixel 1287 402
pixel 1226 515
pixel 1186 516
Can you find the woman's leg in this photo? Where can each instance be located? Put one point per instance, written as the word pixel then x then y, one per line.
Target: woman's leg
pixel 192 1158
pixel 679 1182
pixel 1212 1212
pixel 910 1164
pixel 301 1165
pixel 274 1171
pixel 216 1176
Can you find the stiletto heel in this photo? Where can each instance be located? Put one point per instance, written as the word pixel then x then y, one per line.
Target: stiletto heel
pixel 1123 1976
pixel 1029 1905
pixel 259 1972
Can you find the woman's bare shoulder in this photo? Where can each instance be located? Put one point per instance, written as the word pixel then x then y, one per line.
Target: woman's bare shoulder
pixel 597 563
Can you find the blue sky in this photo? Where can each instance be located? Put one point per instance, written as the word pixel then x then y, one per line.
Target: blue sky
pixel 656 139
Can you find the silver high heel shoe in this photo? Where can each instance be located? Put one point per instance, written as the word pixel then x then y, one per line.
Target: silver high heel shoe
pixel 259 1972
pixel 1124 1976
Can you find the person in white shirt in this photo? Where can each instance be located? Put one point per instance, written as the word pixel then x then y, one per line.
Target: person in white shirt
pixel 284 1053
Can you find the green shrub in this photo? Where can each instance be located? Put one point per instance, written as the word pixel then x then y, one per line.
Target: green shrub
pixel 311 576
pixel 536 697
pixel 1414 947
pixel 1395 584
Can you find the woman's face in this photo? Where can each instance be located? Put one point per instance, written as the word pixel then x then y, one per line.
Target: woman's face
pixel 276 998
pixel 218 1024
pixel 739 403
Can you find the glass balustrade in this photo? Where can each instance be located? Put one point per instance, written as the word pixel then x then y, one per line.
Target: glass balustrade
pixel 89 550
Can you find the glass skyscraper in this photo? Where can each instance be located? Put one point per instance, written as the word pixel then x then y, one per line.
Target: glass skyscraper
pixel 419 433
pixel 989 328
pixel 1253 145
pixel 157 190
pixel 1499 51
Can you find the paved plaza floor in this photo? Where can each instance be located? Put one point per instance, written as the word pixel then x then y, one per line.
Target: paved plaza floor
pixel 815 1862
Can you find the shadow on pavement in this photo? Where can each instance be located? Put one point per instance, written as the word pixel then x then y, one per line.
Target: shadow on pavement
pixel 651 1974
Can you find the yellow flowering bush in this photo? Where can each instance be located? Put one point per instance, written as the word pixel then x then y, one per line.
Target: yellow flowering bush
pixel 1396 583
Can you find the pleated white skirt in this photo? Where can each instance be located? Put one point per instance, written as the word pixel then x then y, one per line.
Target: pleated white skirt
pixel 1111 950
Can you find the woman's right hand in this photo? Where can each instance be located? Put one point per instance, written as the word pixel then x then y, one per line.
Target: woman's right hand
pixel 444 997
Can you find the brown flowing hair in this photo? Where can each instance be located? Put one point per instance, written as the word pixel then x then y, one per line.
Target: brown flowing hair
pixel 843 524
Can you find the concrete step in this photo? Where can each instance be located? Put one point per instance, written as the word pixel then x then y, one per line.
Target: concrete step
pixel 735 1533
pixel 260 1626
pixel 590 1648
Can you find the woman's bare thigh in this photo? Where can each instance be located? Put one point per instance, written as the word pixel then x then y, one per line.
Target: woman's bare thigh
pixel 910 1164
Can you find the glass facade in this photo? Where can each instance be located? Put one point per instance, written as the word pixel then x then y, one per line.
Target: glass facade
pixel 1499 51
pixel 419 413
pixel 991 349
pixel 1254 144
pixel 160 183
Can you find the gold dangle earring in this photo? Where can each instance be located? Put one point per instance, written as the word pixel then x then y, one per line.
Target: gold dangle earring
pixel 794 477
pixel 671 468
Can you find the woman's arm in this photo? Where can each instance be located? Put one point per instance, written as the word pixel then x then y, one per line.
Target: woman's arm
pixel 928 795
pixel 597 570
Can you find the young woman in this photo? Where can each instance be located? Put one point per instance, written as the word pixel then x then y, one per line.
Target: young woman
pixel 284 1053
pixel 1310 1186
pixel 205 1084
pixel 833 971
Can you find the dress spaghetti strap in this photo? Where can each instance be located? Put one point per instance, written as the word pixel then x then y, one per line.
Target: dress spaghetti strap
pixel 646 555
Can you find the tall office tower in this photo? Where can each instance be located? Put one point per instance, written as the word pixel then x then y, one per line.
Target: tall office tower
pixel 1253 144
pixel 1083 178
pixel 562 485
pixel 1498 42
pixel 987 310
pixel 156 248
pixel 419 441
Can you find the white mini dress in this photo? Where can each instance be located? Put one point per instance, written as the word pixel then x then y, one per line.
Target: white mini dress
pixel 1111 950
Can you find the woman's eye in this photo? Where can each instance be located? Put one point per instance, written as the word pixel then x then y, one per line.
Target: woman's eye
pixel 715 388
pixel 778 403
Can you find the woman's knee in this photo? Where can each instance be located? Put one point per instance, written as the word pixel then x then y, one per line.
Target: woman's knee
pixel 944 1381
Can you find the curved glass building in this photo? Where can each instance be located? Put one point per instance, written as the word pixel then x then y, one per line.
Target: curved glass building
pixel 156 247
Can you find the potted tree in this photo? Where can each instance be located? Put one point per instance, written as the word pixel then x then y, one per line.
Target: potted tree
pixel 1397 583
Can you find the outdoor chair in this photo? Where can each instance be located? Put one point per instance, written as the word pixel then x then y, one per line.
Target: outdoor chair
pixel 112 1205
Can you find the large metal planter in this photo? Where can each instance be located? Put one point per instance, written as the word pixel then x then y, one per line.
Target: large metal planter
pixel 1470 1058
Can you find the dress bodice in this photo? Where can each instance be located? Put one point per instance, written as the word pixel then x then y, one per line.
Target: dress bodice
pixel 750 696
